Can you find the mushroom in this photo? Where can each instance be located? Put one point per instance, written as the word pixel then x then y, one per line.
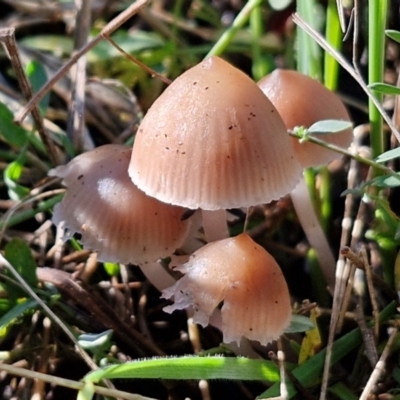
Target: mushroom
pixel 246 278
pixel 213 141
pixel 113 216
pixel 302 101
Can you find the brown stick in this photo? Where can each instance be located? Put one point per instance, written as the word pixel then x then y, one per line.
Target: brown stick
pixel 7 38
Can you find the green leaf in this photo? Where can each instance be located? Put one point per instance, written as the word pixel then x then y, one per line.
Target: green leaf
pixel 96 343
pixel 394 35
pixel 385 181
pixel 384 88
pixel 329 126
pixel 190 367
pixel 388 155
pixel 60 45
pixel 12 174
pixel 37 77
pixel 11 316
pixel 112 269
pixel 11 132
pixel 18 254
pixel 131 43
pixel 299 323
pixel 341 391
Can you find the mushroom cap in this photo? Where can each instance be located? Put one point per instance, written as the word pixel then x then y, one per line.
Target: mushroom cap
pixel 113 216
pixel 213 140
pixel 302 101
pixel 249 281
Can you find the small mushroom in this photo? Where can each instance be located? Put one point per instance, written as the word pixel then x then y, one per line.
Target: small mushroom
pixel 303 101
pixel 213 141
pixel 246 278
pixel 111 214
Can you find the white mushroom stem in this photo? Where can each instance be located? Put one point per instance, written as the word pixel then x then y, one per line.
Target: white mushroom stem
pixel 313 231
pixel 215 225
pixel 157 275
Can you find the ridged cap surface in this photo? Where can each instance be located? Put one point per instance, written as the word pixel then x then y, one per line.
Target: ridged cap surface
pixel 113 216
pixel 213 140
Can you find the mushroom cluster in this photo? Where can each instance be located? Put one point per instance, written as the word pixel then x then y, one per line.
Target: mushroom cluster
pixel 213 141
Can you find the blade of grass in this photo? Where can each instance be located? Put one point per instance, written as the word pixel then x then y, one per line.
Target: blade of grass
pixel 333 35
pixel 259 67
pixel 308 52
pixel 190 367
pixel 240 20
pixel 377 16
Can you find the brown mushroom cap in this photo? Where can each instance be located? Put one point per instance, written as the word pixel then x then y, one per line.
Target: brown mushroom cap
pixel 113 216
pixel 249 281
pixel 213 140
pixel 302 101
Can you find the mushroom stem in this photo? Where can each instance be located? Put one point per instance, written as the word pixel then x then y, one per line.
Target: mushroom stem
pixel 313 231
pixel 157 275
pixel 214 225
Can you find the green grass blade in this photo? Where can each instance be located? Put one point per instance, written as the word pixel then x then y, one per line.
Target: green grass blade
pixel 227 37
pixel 334 37
pixel 377 12
pixel 190 367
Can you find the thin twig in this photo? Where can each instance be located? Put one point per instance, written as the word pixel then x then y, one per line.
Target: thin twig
pixel 344 152
pixel 107 30
pixel 379 367
pixel 149 70
pixel 76 117
pixel 55 380
pixel 7 37
pixel 372 293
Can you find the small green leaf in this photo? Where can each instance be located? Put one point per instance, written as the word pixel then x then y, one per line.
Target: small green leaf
pixel 96 343
pixel 394 35
pixel 112 269
pixel 12 174
pixel 342 392
pixel 11 316
pixel 384 88
pixel 329 126
pixel 299 323
pixel 388 155
pixel 385 181
pixel 18 254
pixel 37 77
pixel 12 133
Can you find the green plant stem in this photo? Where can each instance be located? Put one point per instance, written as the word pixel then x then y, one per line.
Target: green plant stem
pixel 26 373
pixel 27 214
pixel 377 12
pixel 325 198
pixel 259 68
pixel 333 35
pixel 240 20
pixel 340 150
